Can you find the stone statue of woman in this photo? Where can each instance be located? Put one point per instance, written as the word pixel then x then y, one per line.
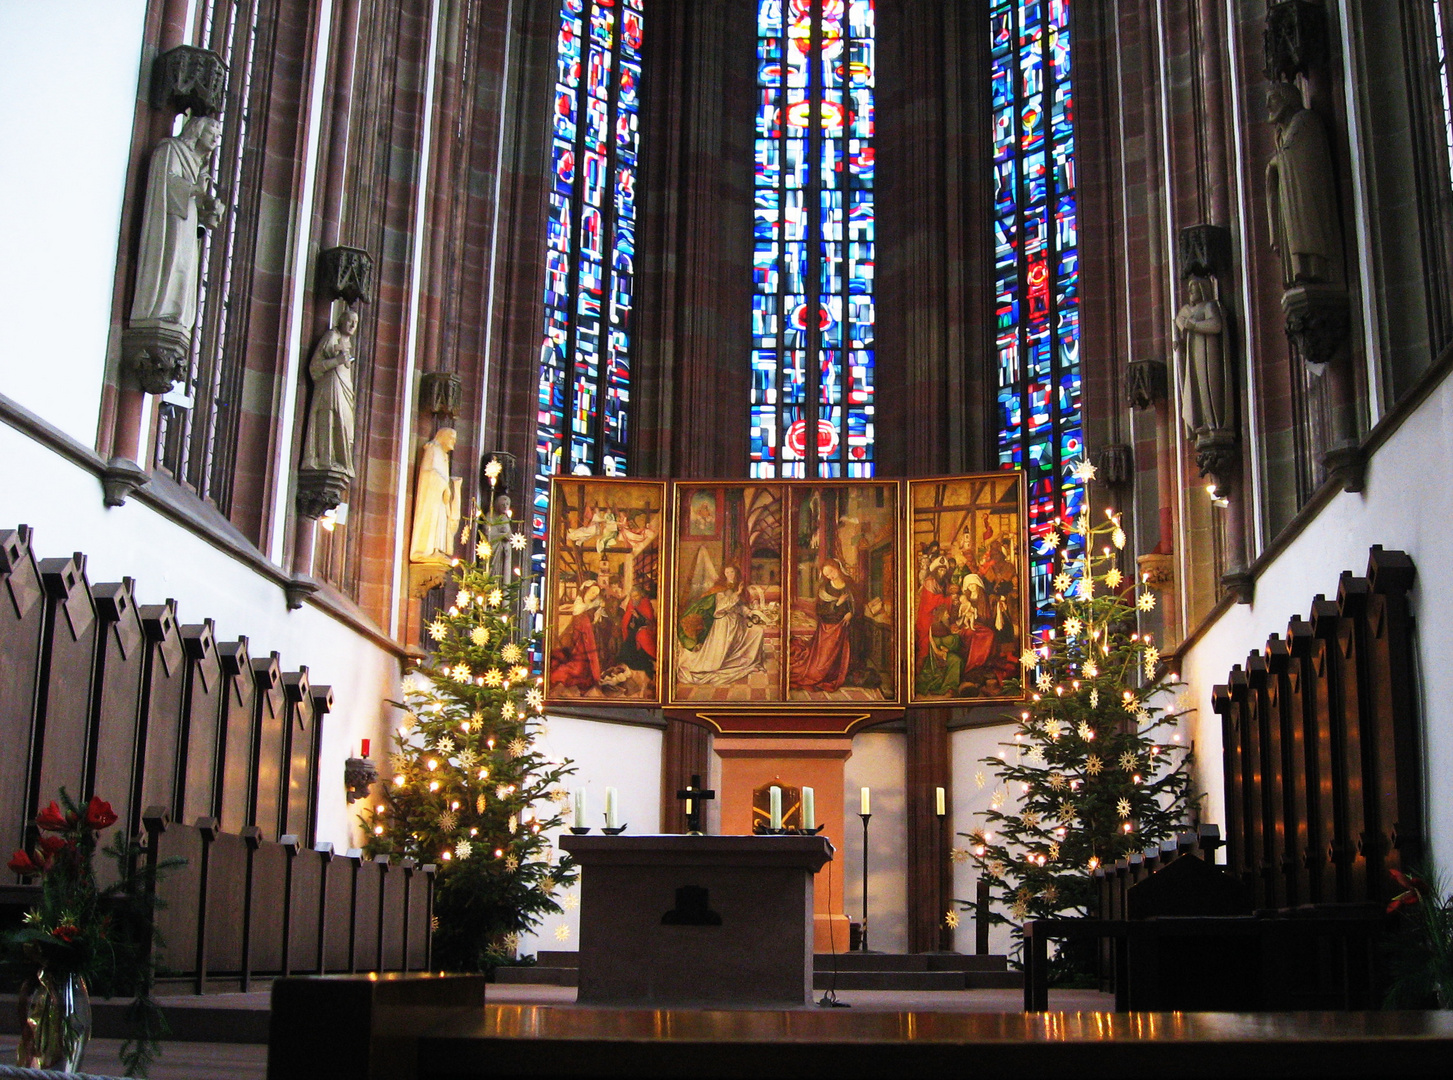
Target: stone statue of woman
pixel 177 202
pixel 1301 197
pixel 329 443
pixel 498 527
pixel 1207 403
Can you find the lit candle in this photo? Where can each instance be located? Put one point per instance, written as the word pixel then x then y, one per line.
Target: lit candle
pixel 774 795
pixel 940 809
pixel 610 808
pixel 809 809
pixel 865 809
pixel 580 808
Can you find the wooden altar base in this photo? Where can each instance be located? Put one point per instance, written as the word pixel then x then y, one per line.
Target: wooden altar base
pixel 580 1041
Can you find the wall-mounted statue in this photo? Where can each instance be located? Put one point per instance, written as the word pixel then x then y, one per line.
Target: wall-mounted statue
pixel 498 528
pixel 436 502
pixel 178 204
pixel 1301 192
pixel 1208 391
pixel 329 442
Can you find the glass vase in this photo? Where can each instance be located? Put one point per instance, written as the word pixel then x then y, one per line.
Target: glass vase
pixel 55 1021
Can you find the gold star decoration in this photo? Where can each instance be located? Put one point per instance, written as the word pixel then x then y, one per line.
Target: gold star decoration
pixel 1093 765
pixel 1113 577
pixel 502 791
pixel 460 673
pixel 483 550
pixel 1083 471
pixel 1053 727
pixel 1066 810
pixel 1152 658
pixel 1073 626
pixel 1051 893
pixel 448 820
pixel 1029 819
pixel 512 863
pixel 1044 682
pixel 1122 807
pixel 511 653
pixel 463 597
pixel 519 674
pixel 1053 854
pixel 1062 582
pixel 463 849
pixel 507 710
pixel 951 920
pixel 979 778
pixel 1087 587
pixel 1056 782
pixel 1029 659
pixel 492 469
pixel 518 748
pixel 480 636
pixel 535 698
pixel 1146 600
pixel 571 901
pixel 1085 731
pixel 562 932
pixel 398 762
pixel 445 746
pixel 958 855
pixel 495 597
pixel 493 677
pixel 532 604
pixel 1094 697
pixel 1091 669
pixel 514 824
pixel 1036 753
pixel 438 629
pixel 1128 761
pixel 517 541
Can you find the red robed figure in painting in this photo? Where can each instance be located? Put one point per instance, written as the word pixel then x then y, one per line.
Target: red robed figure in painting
pixel 575 663
pixel 822 662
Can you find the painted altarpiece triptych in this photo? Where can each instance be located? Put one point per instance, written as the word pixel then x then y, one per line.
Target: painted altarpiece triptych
pixel 785 594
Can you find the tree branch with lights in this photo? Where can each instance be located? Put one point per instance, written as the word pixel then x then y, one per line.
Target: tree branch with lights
pixel 470 791
pixel 1096 769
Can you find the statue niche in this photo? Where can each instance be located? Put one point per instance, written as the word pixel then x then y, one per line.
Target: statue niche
pixel 437 496
pixel 177 206
pixel 327 466
pixel 1208 391
pixel 1301 194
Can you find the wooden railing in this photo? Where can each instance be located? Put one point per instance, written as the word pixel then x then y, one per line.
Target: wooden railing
pixel 102 695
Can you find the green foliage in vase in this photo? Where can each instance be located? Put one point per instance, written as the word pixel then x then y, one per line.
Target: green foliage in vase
pixel 1420 946
pixel 104 934
pixel 470 792
pixel 1096 769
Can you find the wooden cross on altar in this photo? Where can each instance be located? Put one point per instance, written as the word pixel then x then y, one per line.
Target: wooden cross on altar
pixel 695 795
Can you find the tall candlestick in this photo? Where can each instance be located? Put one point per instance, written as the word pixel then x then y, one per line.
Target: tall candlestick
pixel 865 809
pixel 580 808
pixel 610 808
pixel 941 810
pixel 809 809
pixel 774 796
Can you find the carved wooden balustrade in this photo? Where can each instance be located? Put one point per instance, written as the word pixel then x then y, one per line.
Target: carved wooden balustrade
pixel 205 751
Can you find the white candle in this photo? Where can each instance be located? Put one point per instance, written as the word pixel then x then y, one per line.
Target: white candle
pixel 580 808
pixel 774 795
pixel 809 809
pixel 610 808
pixel 865 809
pixel 938 795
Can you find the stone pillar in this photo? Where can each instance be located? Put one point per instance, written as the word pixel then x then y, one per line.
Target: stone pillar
pixel 930 872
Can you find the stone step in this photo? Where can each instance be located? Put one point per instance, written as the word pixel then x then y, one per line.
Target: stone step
pixel 888 980
pixel 993 980
pixel 874 961
pixel 538 975
pixel 558 958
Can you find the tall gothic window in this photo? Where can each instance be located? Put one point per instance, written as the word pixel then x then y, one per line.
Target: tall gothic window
pixel 812 302
pixel 1037 271
pixel 585 370
pixel 196 434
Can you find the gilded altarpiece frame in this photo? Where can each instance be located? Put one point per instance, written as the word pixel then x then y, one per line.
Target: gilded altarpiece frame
pixel 602 591
pixel 969 605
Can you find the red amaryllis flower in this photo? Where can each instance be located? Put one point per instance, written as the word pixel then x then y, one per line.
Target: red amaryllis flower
pixel 1413 889
pixel 22 863
pixel 67 932
pixel 99 814
pixel 53 845
pixel 51 819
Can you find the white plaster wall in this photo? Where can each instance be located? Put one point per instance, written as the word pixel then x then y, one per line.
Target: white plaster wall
pixel 1404 506
pixel 878 762
pixel 62 175
pixel 63 504
pixel 967 748
pixel 622 756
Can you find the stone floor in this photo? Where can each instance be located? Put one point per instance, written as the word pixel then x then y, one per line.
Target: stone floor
pixel 240 1061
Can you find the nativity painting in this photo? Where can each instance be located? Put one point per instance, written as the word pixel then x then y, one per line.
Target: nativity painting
pixel 727 594
pixel 842 638
pixel 966 543
pixel 602 581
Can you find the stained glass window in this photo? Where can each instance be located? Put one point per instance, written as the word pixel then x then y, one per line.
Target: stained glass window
pixel 1040 418
pixel 812 300
pixel 585 369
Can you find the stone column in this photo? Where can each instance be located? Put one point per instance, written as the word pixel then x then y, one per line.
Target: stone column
pixel 930 872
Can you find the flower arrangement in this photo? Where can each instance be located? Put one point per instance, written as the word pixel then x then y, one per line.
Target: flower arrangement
pixel 1422 949
pixel 80 930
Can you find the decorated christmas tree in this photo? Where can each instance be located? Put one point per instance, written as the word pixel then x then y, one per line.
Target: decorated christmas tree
pixel 1096 769
pixel 470 792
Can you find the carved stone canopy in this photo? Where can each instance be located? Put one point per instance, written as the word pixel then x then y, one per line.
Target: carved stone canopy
pixel 346 273
pixel 1296 39
pixel 1218 454
pixel 189 79
pixel 503 483
pixel 321 490
pixel 1145 383
pixel 1205 250
pixel 1157 569
pixel 154 358
pixel 359 774
pixel 1117 464
pixel 1318 322
pixel 441 393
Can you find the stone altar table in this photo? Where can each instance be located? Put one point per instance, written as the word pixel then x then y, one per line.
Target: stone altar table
pixel 719 920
